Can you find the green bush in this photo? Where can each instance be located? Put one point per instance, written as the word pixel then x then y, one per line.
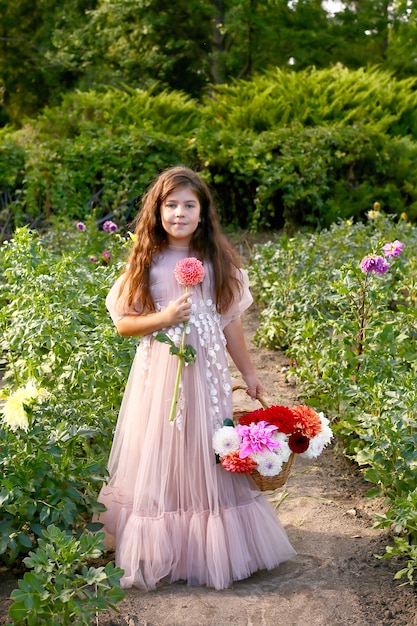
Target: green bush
pixel 371 98
pixel 286 149
pixel 51 474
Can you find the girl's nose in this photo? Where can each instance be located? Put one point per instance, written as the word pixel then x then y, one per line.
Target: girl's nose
pixel 178 210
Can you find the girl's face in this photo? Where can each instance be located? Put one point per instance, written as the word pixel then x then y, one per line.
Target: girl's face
pixel 180 215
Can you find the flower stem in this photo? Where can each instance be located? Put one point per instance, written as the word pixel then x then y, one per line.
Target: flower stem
pixel 178 377
pixel 177 381
pixel 362 323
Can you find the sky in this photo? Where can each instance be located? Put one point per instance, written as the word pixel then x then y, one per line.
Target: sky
pixel 333 6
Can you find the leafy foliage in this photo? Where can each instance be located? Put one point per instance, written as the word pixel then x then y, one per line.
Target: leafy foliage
pixel 63 587
pixel 56 331
pixel 50 475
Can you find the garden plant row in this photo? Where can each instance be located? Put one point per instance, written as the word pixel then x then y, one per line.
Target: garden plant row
pixel 342 303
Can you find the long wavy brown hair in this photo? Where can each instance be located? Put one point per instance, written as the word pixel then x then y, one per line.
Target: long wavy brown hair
pixel 207 243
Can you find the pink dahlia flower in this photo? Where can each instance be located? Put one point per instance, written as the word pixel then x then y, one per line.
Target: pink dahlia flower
pixel 374 263
pixel 256 438
pixel 110 227
pixel 393 249
pixel 189 272
pixel 105 257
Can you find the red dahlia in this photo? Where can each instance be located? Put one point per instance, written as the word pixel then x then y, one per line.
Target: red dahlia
pixel 298 443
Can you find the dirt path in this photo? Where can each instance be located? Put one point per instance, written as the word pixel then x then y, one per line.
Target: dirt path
pixel 333 581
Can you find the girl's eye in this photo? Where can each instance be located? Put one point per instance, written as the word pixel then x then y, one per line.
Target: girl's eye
pixel 170 205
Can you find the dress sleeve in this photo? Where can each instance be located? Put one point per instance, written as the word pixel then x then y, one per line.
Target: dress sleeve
pixel 117 306
pixel 241 302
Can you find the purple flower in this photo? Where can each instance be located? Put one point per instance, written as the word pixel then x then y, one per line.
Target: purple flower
pixel 393 249
pixel 110 227
pixel 256 438
pixel 93 259
pixel 81 226
pixel 105 257
pixel 374 263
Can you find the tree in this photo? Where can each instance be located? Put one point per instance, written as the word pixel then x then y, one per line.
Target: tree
pixel 30 75
pixel 140 42
pixel 48 47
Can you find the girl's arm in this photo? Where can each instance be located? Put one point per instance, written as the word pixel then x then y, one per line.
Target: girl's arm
pixel 237 349
pixel 177 311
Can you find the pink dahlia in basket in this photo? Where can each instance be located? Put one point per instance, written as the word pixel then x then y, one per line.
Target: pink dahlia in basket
pixel 256 438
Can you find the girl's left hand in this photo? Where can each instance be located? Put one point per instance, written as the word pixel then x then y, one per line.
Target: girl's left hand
pixel 254 387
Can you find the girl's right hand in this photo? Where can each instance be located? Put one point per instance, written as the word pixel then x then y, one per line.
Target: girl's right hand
pixel 178 310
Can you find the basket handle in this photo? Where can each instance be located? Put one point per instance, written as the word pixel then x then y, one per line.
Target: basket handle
pixel 258 397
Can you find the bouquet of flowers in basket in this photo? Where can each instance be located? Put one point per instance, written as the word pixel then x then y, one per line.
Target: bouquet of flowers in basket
pixel 263 440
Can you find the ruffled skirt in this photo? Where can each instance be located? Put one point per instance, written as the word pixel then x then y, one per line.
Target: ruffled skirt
pixel 173 513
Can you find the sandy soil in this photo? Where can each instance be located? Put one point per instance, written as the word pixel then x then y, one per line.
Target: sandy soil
pixel 335 579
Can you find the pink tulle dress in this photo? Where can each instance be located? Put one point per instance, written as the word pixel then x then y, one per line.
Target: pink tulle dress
pixel 172 512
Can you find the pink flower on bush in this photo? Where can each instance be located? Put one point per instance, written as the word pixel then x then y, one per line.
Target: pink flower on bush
pixel 81 226
pixel 93 259
pixel 105 257
pixel 374 263
pixel 189 272
pixel 393 249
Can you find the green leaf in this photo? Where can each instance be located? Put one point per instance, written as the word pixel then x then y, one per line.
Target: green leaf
pixel 374 492
pixel 189 354
pixel 24 540
pixel 18 609
pixel 163 338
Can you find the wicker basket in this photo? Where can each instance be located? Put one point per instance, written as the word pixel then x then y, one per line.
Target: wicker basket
pixel 266 483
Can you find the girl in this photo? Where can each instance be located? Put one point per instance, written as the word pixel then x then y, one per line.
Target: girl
pixel 172 512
